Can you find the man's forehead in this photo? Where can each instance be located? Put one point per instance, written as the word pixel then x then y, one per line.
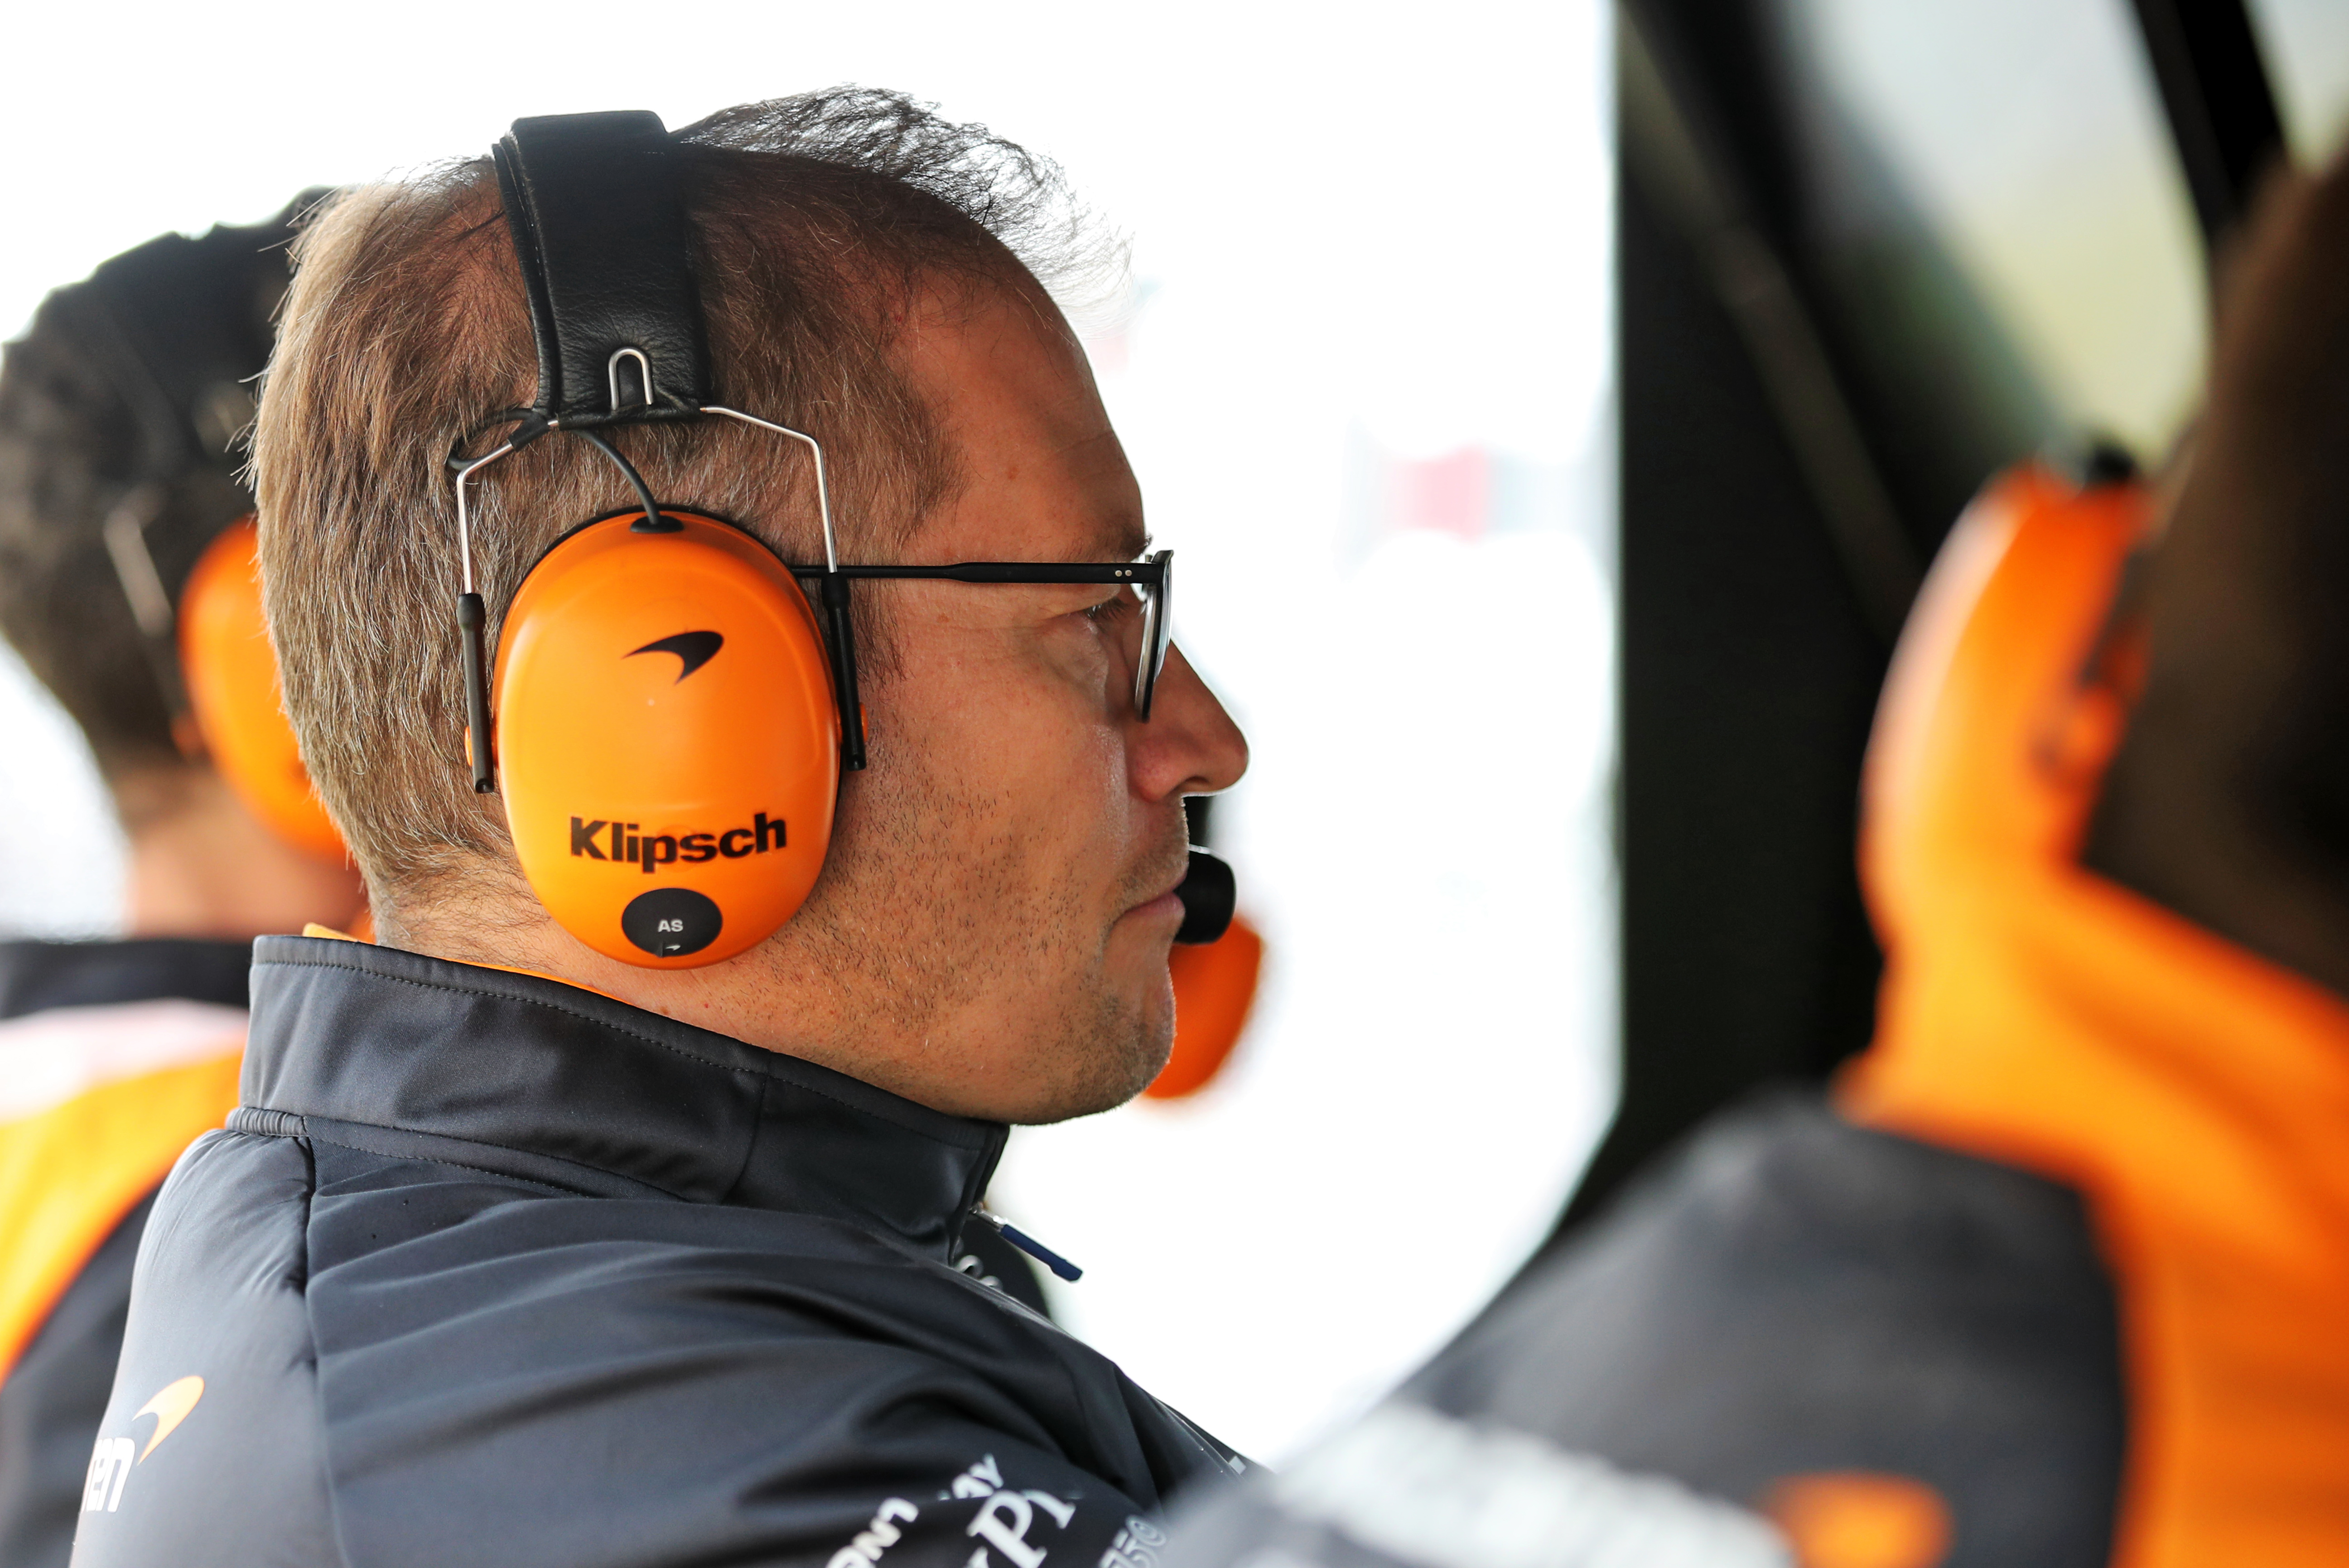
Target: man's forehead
pixel 1044 476
pixel 1009 526
pixel 1086 506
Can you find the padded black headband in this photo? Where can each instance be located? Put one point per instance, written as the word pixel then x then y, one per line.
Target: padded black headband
pixel 606 255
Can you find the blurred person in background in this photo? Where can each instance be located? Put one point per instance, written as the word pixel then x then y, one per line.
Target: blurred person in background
pixel 2058 1274
pixel 121 411
pixel 522 1250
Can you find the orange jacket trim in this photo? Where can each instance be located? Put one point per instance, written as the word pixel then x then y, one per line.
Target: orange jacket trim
pixel 70 1174
pixel 2035 1013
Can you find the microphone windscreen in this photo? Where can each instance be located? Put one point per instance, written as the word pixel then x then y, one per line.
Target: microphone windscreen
pixel 1207 893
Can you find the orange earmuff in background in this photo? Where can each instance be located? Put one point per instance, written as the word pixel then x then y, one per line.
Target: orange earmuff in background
pixel 666 739
pixel 1215 991
pixel 230 670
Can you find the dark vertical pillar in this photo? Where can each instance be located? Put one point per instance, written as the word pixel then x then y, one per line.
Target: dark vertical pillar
pixel 2223 112
pixel 1749 676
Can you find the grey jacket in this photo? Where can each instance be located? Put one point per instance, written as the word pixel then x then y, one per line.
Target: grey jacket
pixel 489 1270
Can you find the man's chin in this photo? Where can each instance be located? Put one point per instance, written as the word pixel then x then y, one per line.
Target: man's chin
pixel 1114 1062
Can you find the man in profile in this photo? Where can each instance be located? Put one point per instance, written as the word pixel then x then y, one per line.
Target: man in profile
pixel 515 1253
pixel 120 411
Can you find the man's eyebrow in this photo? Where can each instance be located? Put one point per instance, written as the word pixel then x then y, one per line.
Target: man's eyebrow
pixel 1125 540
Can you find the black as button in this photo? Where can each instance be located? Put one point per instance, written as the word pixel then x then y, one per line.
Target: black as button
pixel 669 922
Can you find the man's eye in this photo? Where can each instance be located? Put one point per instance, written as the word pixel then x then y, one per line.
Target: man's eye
pixel 1109 608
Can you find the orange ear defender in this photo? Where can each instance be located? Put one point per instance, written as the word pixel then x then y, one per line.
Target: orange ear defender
pixel 666 733
pixel 230 673
pixel 666 738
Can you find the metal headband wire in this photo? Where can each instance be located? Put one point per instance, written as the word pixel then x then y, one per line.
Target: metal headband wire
pixel 823 488
pixel 134 564
pixel 150 605
pixel 473 616
pixel 464 521
pixel 815 448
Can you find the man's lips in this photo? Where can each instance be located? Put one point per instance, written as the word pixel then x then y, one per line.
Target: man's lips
pixel 1164 904
pixel 1168 900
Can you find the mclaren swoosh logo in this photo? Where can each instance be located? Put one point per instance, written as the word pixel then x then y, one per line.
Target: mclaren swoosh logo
pixel 111 1459
pixel 169 1409
pixel 693 649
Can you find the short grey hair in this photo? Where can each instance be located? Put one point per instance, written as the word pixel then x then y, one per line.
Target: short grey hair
pixel 820 221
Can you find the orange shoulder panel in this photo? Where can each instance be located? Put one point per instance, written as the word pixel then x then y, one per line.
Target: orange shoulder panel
pixel 69 1174
pixel 2035 1013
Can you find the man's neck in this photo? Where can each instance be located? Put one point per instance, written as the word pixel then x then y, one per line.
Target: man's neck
pixel 200 865
pixel 495 922
pixel 778 996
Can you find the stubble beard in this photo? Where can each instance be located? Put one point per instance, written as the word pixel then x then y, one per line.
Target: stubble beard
pixel 916 927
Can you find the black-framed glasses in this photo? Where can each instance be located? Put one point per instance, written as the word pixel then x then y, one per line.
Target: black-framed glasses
pixel 1152 579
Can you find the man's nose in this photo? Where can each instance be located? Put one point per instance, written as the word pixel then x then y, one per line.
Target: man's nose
pixel 1190 746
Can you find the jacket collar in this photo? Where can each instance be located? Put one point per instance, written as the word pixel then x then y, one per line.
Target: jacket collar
pixel 566 1078
pixel 37 976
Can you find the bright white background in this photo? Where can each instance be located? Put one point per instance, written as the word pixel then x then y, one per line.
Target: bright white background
pixel 1363 372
